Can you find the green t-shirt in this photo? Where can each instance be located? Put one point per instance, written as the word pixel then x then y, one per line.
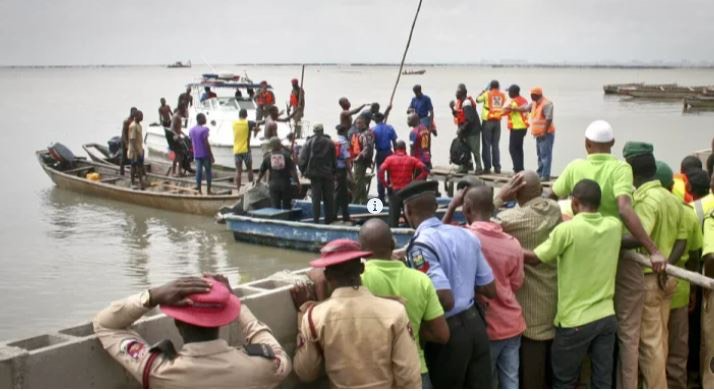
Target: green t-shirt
pixel 660 212
pixel 694 242
pixel 614 177
pixel 586 251
pixel 393 278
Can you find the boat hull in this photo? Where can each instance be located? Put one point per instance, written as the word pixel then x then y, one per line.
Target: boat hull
pixel 183 203
pixel 297 235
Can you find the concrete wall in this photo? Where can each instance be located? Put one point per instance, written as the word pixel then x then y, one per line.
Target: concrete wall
pixel 74 358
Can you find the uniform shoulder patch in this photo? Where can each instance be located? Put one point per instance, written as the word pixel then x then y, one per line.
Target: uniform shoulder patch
pixel 418 261
pixel 133 348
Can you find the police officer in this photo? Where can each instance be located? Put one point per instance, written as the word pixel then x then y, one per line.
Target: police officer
pixel 199 306
pixel 361 340
pixel 452 258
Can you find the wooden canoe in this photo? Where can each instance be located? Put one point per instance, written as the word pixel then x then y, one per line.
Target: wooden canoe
pixel 698 103
pixel 451 175
pixel 174 194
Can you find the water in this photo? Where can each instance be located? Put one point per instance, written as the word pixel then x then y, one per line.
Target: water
pixel 64 255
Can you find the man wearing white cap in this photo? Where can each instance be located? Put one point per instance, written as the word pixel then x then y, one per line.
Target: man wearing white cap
pixel 615 179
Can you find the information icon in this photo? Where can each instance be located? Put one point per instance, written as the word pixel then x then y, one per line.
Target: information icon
pixel 375 206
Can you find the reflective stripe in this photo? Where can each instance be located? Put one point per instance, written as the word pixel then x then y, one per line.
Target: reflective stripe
pixel 538 120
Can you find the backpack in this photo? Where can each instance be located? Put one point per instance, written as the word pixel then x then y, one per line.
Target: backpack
pixel 460 153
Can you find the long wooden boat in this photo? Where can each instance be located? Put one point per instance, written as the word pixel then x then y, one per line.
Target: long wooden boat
pixel 657 91
pixel 175 194
pixel 613 89
pixel 450 175
pixel 698 103
pixel 414 72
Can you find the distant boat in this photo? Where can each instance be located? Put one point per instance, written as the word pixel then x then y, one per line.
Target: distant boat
pixel 414 72
pixel 699 103
pixel 654 91
pixel 179 64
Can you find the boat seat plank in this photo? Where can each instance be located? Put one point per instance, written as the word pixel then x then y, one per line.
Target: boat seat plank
pixel 110 179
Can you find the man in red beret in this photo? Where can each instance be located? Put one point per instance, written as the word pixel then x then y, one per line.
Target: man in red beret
pixel 362 341
pixel 199 307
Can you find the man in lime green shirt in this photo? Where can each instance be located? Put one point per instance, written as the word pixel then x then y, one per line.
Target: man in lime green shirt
pixel 708 305
pixel 679 310
pixel 391 278
pixel 660 213
pixel 585 250
pixel 615 179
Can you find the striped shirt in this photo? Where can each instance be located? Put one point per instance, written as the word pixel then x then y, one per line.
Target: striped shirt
pixel 530 224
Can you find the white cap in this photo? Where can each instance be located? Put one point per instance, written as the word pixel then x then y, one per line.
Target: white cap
pixel 600 132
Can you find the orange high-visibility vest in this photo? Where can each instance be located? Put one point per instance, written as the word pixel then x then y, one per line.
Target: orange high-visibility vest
pixel 518 120
pixel 460 117
pixel 537 119
pixel 496 100
pixel 265 98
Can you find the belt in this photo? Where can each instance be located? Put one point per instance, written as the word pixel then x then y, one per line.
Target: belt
pixel 462 317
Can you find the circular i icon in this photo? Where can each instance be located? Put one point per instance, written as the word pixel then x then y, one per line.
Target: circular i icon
pixel 375 206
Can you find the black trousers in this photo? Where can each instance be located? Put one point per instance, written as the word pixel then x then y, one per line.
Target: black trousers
pixel 535 370
pixel 123 160
pixel 465 361
pixel 342 197
pixel 280 197
pixel 515 148
pixel 323 190
pixel 395 208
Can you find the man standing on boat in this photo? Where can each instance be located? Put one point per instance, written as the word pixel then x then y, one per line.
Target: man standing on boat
pixel 297 106
pixel 357 339
pixel 468 124
pixel 452 258
pixel 343 174
pixel 385 137
pixel 207 94
pixel 263 100
pixel 493 102
pixel 199 307
pixel 185 98
pixel 282 169
pixel 135 152
pixel 346 114
pixel 421 105
pixel 165 113
pixel 177 142
pixel 419 140
pixel 242 128
pixel 402 169
pixel 202 154
pixel 362 153
pixel 125 140
pixel 317 162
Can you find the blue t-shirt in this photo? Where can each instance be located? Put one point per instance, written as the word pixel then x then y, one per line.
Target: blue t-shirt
pixel 451 256
pixel 384 135
pixel 421 105
pixel 344 154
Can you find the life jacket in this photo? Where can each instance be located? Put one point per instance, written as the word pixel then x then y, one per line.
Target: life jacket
pixel 493 107
pixel 518 120
pixel 294 98
pixel 459 116
pixel 265 98
pixel 537 119
pixel 422 143
pixel 355 145
pixel 679 188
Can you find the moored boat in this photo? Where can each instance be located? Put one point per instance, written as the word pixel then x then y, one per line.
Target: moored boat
pixel 655 91
pixel 699 103
pixel 414 72
pixel 161 192
pixel 179 64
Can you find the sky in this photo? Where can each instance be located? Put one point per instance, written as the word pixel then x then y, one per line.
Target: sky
pixel 111 32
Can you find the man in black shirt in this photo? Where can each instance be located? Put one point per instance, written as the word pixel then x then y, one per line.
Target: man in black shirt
pixel 318 162
pixel 282 168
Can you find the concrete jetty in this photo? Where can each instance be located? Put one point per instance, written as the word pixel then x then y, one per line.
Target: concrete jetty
pixel 73 357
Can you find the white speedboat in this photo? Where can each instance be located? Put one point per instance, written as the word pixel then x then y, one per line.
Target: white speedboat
pixel 220 113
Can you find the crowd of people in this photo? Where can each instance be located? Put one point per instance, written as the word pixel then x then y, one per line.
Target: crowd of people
pixel 518 297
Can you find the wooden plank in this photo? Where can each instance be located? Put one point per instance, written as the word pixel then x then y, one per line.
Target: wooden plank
pixel 675 271
pixel 110 179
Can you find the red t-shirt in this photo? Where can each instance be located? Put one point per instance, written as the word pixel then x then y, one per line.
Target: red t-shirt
pixel 401 168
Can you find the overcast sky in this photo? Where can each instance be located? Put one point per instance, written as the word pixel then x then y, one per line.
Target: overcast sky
pixel 79 32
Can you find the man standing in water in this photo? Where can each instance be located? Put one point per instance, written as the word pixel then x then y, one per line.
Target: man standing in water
pixel 125 140
pixel 202 154
pixel 135 152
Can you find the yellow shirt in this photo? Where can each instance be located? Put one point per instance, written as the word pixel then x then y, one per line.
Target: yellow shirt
pixel 241 136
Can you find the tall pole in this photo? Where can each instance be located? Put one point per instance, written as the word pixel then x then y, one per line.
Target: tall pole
pixel 404 56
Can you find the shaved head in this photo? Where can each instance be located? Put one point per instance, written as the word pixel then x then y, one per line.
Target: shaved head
pixel 375 236
pixel 478 203
pixel 532 188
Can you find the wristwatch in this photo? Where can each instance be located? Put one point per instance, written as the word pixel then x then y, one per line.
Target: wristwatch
pixel 145 298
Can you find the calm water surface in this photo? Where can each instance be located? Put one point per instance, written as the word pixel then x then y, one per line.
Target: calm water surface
pixel 64 255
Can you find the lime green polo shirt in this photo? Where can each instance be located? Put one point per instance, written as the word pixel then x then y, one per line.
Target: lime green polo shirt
pixel 694 242
pixel 393 278
pixel 660 212
pixel 586 251
pixel 614 177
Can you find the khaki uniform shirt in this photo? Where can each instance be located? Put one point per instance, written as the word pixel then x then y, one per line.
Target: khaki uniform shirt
pixel 531 224
pixel 212 364
pixel 363 342
pixel 136 141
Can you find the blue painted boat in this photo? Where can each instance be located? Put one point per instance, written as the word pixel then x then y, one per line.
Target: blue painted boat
pixel 295 234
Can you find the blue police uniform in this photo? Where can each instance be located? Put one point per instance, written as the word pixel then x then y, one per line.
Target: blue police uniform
pixel 452 258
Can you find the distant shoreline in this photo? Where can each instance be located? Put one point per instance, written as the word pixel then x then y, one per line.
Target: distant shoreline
pixel 413 65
